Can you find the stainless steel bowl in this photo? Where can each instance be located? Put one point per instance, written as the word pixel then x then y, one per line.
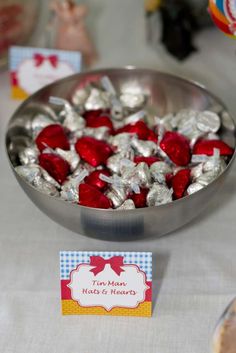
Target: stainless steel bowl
pixel 168 94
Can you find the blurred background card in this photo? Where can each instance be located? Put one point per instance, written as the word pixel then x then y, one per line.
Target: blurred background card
pixel 33 68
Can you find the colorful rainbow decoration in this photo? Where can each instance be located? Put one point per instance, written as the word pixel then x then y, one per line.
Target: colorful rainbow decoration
pixel 223 13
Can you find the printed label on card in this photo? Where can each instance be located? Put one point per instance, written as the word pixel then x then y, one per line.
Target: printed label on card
pixel 33 68
pixel 106 283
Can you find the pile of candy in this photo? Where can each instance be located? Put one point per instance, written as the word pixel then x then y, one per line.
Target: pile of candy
pixel 108 151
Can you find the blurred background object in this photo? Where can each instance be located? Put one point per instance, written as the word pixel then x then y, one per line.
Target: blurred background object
pixel 224 340
pixel 67 29
pixel 17 22
pixel 174 23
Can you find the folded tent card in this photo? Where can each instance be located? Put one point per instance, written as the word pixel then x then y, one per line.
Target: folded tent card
pixel 106 283
pixel 33 68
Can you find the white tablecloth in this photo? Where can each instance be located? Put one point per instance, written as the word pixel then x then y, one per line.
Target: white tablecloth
pixel 194 267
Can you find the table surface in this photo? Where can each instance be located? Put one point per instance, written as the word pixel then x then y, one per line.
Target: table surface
pixel 194 267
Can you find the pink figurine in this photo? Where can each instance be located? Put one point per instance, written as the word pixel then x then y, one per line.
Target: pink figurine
pixel 71 32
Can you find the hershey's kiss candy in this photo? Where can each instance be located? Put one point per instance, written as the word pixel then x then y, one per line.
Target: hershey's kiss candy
pixel 207 147
pixel 164 123
pixel 120 140
pixel 117 195
pixel 80 96
pixel 99 133
pixel 52 136
pixel 127 205
pixel 139 175
pixel 145 148
pixel 159 195
pixel 95 179
pixel 56 166
pixel 70 156
pixel 46 176
pixel 140 199
pixel 93 151
pixel 140 129
pixel 131 119
pixel 180 182
pixel 183 116
pixel 158 171
pixel 97 100
pixel 70 189
pixel 118 164
pixel 29 172
pixel 97 121
pixel 148 160
pixel 73 121
pixel 208 121
pixel 81 167
pixel 46 187
pixel 39 122
pixel 91 196
pixel 176 147
pixel 197 171
pixel 132 100
pixel 207 178
pixel 29 155
pixel 194 188
pixel 116 107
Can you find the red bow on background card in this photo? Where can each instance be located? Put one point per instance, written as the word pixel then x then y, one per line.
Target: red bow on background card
pixel 99 263
pixel 39 59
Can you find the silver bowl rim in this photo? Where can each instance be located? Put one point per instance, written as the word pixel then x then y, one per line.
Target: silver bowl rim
pixel 125 68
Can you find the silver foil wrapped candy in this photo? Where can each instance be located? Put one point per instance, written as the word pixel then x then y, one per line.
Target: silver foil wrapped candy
pixel 133 118
pixel 132 101
pixel 70 189
pixel 194 187
pixel 137 176
pixel 46 187
pixel 117 195
pixel 208 121
pixel 97 99
pixel 144 148
pixel 39 122
pixel 29 172
pixel 29 155
pixel 159 170
pixel 127 205
pixel 70 156
pixel 159 195
pixel 80 96
pixel 116 107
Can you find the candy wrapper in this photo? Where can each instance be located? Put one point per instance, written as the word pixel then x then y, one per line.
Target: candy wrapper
pixel 104 151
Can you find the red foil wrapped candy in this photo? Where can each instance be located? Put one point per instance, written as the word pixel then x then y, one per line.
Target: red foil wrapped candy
pixel 148 160
pixel 140 200
pixel 90 196
pixel 94 178
pixel 93 151
pixel 52 136
pixel 177 148
pixel 98 121
pixel 180 182
pixel 207 147
pixel 140 129
pixel 56 166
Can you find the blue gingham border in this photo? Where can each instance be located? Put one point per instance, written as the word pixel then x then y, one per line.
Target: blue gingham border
pixel 18 54
pixel 69 260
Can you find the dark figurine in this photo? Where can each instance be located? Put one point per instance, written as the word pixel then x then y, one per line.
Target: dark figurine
pixel 178 26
